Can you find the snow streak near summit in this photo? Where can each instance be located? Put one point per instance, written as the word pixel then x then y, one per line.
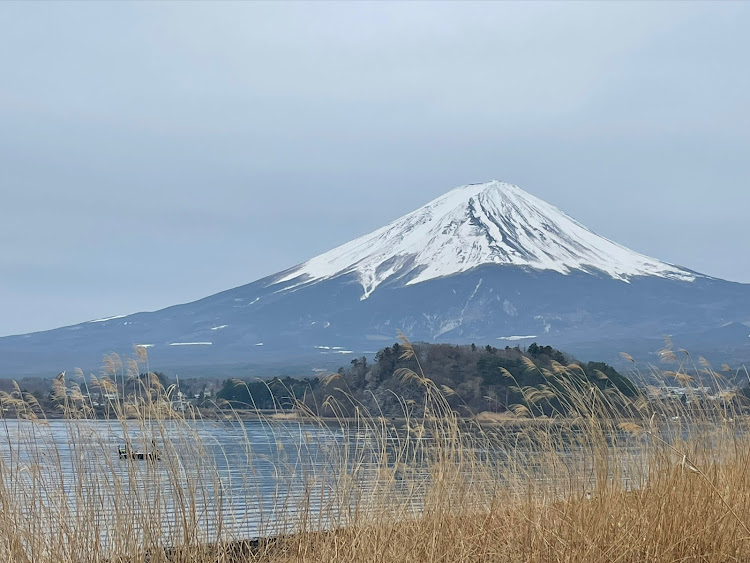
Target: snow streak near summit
pixel 473 225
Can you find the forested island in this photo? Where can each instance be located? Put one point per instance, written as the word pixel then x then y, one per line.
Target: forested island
pixel 471 378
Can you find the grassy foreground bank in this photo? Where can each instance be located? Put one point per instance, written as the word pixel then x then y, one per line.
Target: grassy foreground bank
pixel 608 478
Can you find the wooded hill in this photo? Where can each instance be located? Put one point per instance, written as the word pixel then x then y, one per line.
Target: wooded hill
pixel 473 379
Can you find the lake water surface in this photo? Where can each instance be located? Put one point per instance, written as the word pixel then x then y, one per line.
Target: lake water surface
pixel 231 480
pixel 239 480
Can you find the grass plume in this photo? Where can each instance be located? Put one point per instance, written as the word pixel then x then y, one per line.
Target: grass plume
pixel 604 477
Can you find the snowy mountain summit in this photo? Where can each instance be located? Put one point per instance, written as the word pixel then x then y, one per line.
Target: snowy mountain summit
pixel 474 225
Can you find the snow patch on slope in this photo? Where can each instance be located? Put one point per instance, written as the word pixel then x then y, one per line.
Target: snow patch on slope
pixel 473 225
pixel 108 319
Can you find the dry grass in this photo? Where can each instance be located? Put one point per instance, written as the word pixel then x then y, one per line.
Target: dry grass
pixel 605 478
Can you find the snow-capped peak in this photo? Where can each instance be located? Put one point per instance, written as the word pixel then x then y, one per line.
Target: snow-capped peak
pixel 473 225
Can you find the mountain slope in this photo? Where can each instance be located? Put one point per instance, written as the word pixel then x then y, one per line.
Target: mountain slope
pixel 476 224
pixel 485 263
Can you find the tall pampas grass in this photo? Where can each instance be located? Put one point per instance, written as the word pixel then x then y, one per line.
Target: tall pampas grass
pixel 577 471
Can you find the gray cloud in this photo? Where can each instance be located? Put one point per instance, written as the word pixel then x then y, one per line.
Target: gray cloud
pixel 155 153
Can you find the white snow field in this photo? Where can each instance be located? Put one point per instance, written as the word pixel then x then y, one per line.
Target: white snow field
pixel 476 224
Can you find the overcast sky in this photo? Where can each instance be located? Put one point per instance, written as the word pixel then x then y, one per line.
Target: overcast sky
pixel 153 154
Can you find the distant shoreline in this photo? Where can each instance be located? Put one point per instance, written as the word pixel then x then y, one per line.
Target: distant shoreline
pixel 482 419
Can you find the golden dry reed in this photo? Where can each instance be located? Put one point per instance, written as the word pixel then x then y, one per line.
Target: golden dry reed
pixel 577 472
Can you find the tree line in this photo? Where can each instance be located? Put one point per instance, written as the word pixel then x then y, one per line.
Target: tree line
pixel 472 379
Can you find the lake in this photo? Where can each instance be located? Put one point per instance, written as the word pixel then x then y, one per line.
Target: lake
pixel 231 480
pixel 250 479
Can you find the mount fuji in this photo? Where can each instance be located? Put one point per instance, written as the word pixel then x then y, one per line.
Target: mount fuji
pixel 486 263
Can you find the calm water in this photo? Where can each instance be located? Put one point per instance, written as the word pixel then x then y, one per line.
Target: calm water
pixel 232 480
pixel 220 480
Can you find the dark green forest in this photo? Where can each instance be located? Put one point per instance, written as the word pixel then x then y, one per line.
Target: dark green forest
pixel 473 379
